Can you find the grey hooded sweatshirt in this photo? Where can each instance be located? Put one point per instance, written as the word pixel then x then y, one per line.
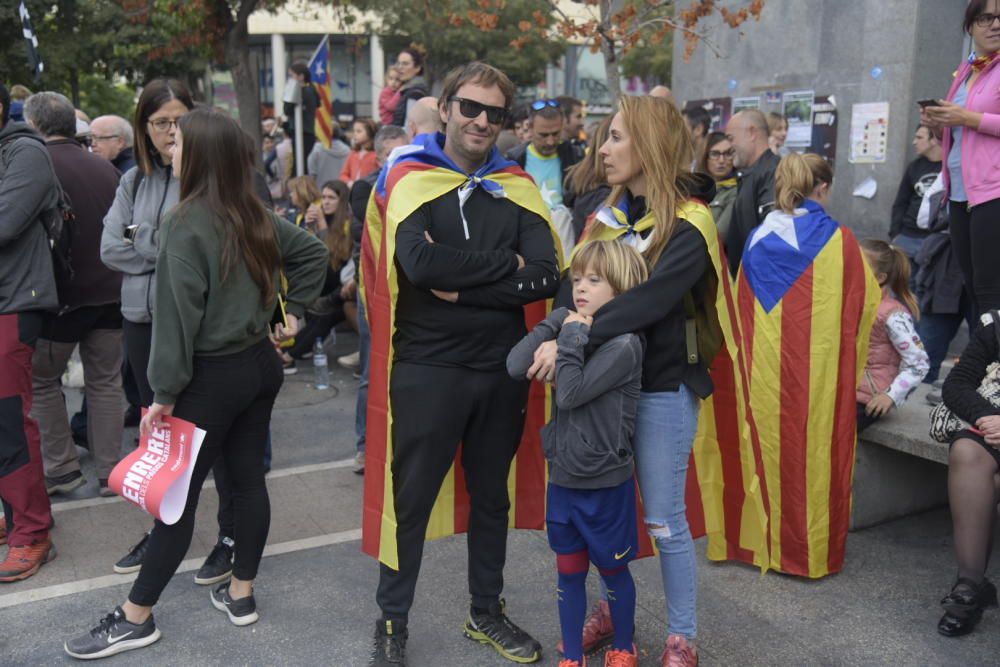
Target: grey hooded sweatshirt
pixel 325 164
pixel 28 188
pixel 588 442
pixel 158 193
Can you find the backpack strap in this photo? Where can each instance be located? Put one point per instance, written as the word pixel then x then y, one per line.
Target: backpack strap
pixel 139 175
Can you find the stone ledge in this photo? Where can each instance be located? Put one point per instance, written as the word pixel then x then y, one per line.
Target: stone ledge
pixel 906 429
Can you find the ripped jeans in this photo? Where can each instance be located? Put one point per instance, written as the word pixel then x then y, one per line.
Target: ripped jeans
pixel 665 427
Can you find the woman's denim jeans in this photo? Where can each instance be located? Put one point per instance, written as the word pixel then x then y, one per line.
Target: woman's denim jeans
pixel 664 432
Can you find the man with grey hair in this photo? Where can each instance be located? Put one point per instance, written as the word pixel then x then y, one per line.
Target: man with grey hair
pixel 748 132
pixel 112 137
pixel 387 139
pixel 91 312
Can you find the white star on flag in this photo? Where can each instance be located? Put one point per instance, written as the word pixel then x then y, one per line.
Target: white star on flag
pixel 781 225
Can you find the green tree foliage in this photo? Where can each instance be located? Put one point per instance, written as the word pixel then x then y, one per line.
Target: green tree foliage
pixel 454 32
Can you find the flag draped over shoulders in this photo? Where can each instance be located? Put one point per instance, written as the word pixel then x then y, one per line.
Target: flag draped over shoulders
pixel 726 497
pixel 418 174
pixel 807 302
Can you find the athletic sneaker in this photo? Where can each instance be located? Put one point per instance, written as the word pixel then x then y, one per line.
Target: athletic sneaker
pixel 219 564
pixel 495 629
pixel 104 490
pixel 618 658
pixel 3 530
pixel 132 561
pixel 288 367
pixel 22 562
pixel 112 635
pixel 359 463
pixel 390 645
pixel 598 631
pixel 64 483
pixel 241 612
pixel 678 653
pixel 351 362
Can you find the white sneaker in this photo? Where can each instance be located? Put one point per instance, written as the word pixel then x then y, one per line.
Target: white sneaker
pixel 359 463
pixel 350 361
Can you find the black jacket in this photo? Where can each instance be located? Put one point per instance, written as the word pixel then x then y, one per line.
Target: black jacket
pixel 585 204
pixel 361 192
pixel 412 90
pixel 939 280
pixel 919 176
pixel 480 329
pixel 656 307
pixel 960 387
pixel 125 160
pixel 754 200
pixel 569 154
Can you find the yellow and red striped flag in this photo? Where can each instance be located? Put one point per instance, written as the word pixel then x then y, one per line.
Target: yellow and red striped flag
pixel 807 301
pixel 419 176
pixel 319 68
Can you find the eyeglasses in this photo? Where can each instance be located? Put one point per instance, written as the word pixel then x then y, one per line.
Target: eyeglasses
pixel 105 137
pixel 986 20
pixel 163 124
pixel 538 105
pixel 715 155
pixel 472 109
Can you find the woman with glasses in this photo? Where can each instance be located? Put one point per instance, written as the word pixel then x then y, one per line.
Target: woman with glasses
pixel 971 144
pixel 413 85
pixel 717 162
pixel 129 245
pixel 213 363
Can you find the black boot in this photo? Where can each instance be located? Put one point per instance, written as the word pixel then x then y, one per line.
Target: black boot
pixel 964 606
pixel 390 644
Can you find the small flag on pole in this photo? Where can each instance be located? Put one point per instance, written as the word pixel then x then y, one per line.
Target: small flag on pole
pixel 319 68
pixel 34 57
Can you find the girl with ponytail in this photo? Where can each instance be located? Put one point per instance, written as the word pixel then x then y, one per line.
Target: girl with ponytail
pixel 897 362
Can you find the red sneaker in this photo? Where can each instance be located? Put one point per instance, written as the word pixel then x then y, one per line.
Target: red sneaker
pixel 616 658
pixel 598 630
pixel 679 653
pixel 22 562
pixel 3 530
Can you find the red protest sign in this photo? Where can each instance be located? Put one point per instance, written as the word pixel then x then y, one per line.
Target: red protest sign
pixel 157 475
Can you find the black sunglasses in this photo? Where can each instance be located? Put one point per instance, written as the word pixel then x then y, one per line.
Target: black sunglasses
pixel 472 109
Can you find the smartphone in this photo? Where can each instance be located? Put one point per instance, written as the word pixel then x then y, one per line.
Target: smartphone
pixel 929 103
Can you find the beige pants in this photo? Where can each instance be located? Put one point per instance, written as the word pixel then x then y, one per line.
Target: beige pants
pixel 101 353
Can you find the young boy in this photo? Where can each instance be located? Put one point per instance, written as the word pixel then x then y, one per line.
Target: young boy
pixel 591 515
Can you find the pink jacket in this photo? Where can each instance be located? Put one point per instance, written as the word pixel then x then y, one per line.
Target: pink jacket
pixel 980 149
pixel 387 101
pixel 883 359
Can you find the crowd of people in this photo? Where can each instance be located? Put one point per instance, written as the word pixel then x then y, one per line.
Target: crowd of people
pixel 192 271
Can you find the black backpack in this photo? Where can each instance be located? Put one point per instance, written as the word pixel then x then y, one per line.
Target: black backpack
pixel 59 224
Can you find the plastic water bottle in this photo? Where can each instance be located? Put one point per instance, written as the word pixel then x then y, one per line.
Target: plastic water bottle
pixel 320 366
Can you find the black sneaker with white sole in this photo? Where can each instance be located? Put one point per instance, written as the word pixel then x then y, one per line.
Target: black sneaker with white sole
pixel 241 612
pixel 132 561
pixel 219 564
pixel 113 635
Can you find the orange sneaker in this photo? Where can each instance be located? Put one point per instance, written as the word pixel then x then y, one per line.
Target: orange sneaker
pixel 3 530
pixel 573 663
pixel 22 562
pixel 616 658
pixel 679 653
pixel 598 631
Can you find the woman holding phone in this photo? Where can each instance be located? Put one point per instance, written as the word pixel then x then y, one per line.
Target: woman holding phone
pixel 970 117
pixel 212 362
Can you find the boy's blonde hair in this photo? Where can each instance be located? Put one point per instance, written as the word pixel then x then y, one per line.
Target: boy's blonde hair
pixel 620 264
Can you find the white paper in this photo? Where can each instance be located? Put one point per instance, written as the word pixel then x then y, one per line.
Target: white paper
pixel 866 188
pixel 174 500
pixel 869 133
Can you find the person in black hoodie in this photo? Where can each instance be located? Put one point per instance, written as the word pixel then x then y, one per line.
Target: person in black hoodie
pixel 918 177
pixel 646 160
pixel 28 191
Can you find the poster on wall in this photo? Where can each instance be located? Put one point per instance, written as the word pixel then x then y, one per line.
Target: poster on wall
pixel 717 107
pixel 869 133
pixel 797 108
pixel 771 101
pixel 743 103
pixel 824 128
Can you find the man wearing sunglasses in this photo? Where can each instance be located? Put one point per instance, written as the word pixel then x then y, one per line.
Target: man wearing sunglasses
pixel 547 158
pixel 472 247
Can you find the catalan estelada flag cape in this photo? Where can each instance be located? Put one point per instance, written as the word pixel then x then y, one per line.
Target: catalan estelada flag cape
pixel 726 499
pixel 807 301
pixel 421 173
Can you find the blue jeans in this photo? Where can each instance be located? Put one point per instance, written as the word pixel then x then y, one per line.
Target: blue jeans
pixel 364 347
pixel 665 427
pixel 937 330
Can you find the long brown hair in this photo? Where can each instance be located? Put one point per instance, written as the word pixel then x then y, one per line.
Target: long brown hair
pixel 338 225
pixel 894 263
pixel 662 143
pixel 588 174
pixel 217 172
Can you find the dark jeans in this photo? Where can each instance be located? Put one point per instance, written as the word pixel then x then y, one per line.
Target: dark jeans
pixel 434 408
pixel 364 348
pixel 231 398
pixel 937 331
pixel 975 237
pixel 138 341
